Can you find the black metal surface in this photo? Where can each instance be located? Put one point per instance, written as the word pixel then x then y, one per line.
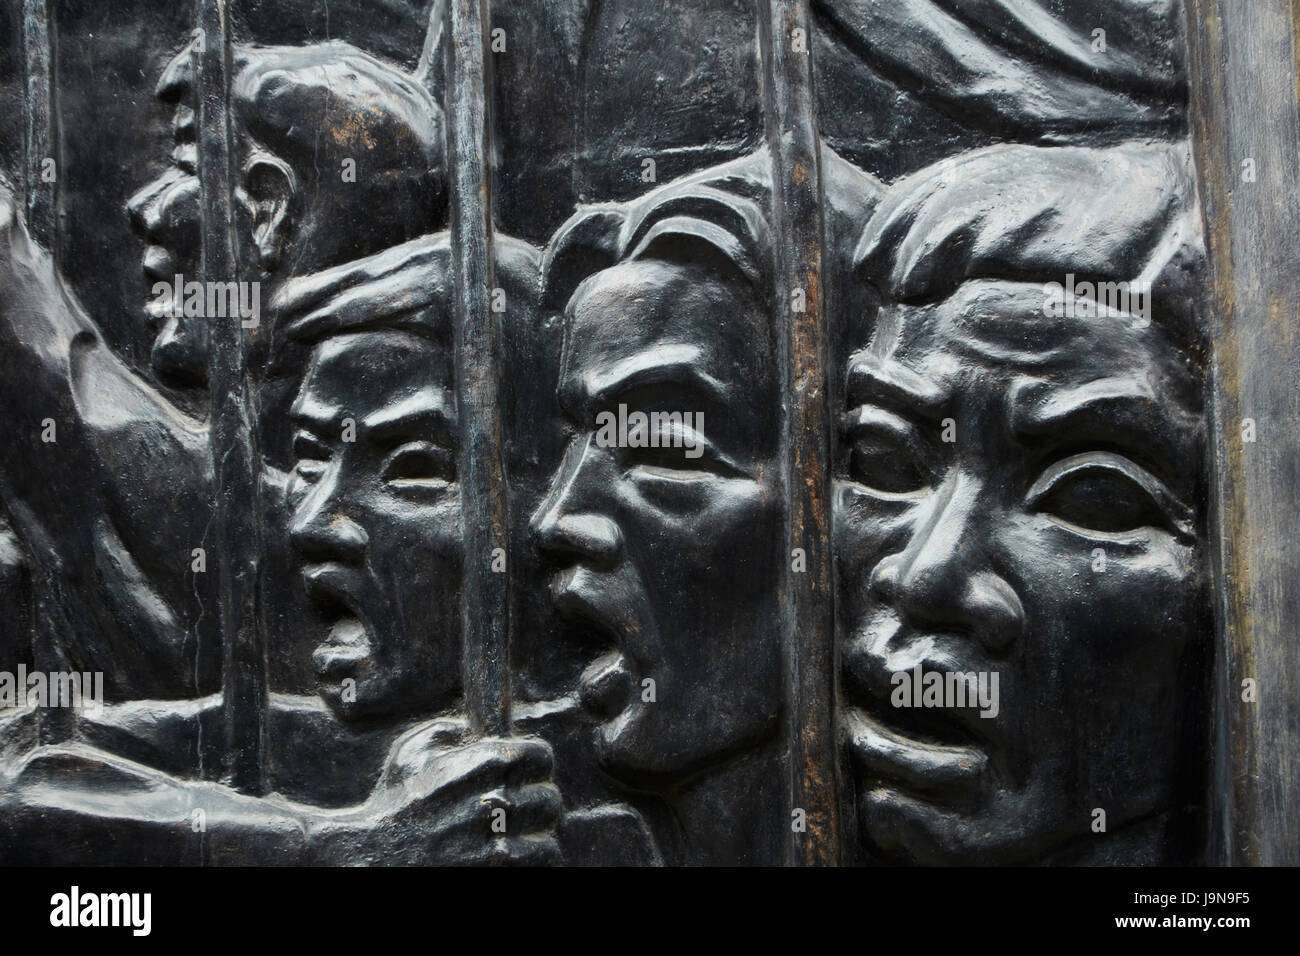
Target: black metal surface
pixel 372 555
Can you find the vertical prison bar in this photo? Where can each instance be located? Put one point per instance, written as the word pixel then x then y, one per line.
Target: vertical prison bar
pixel 233 440
pixel 1245 108
pixel 42 168
pixel 41 126
pixel 808 620
pixel 483 489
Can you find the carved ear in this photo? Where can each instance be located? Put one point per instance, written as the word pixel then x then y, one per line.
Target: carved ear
pixel 267 191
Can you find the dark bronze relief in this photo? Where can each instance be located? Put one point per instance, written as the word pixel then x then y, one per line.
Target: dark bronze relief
pixel 734 432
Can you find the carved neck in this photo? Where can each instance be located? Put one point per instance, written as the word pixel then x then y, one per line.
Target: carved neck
pixel 730 814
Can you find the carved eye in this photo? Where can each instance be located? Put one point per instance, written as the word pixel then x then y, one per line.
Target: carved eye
pixel 669 462
pixel 420 463
pixel 664 460
pixel 1104 493
pixel 883 464
pixel 682 454
pixel 312 456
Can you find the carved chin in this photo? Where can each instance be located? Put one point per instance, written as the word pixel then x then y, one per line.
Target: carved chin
pixel 344 665
pixel 900 827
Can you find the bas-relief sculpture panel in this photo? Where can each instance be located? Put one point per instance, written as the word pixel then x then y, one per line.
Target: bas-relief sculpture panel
pixel 1012 268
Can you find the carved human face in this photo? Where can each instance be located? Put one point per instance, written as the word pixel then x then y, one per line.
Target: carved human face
pixel 1053 541
pixel 376 524
pixel 670 563
pixel 167 214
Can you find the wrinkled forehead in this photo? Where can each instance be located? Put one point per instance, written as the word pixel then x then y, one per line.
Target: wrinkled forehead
pixel 992 349
pixel 648 310
pixel 1013 330
pixel 360 372
pixel 177 81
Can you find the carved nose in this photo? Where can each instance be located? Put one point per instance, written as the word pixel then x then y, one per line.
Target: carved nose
pixel 941 581
pixel 579 538
pixel 184 124
pixel 145 208
pixel 321 532
pixel 564 535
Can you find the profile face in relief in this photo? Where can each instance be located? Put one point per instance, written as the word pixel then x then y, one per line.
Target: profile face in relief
pixel 1016 499
pixel 376 523
pixel 167 214
pixel 292 218
pixel 666 558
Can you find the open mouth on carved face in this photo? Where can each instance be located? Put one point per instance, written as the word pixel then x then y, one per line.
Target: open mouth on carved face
pixel 607 686
pixel 186 154
pixel 164 215
pixel 941 753
pixel 159 265
pixel 887 756
pixel 348 642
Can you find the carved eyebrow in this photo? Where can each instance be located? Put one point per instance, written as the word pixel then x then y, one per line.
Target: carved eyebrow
pixel 1126 402
pixel 314 415
pixel 890 385
pixel 1124 410
pixel 428 408
pixel 676 365
pixel 431 408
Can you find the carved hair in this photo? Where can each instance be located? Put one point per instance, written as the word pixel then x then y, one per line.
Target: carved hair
pixel 318 106
pixel 1036 214
pixel 723 209
pixel 426 311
